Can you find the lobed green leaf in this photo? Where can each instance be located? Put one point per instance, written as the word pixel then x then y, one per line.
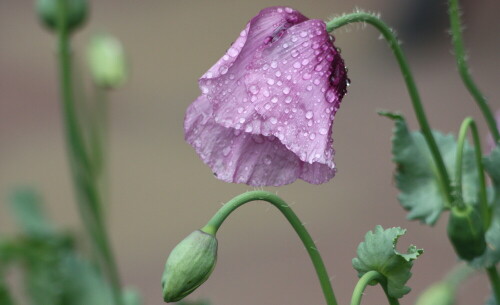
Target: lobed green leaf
pixel 422 191
pixel 378 253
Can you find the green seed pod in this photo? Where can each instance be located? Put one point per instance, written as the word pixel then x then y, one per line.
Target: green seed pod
pixel 189 265
pixel 440 293
pixel 106 61
pixel 77 11
pixel 466 232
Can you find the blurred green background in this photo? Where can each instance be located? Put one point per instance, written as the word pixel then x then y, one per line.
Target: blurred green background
pixel 161 191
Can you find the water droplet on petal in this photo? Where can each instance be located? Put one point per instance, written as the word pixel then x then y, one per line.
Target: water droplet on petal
pixel 330 96
pixel 267 106
pixel 303 34
pixel 309 115
pixel 274 64
pixel 274 99
pixel 232 52
pixel 306 76
pixel 254 89
pixel 273 120
pixel 242 120
pixel 312 136
pixel 288 99
pixel 270 81
pixel 286 90
pixel 223 69
pixel 226 151
pixel 295 53
pixel 296 65
pixel 240 109
pixel 323 131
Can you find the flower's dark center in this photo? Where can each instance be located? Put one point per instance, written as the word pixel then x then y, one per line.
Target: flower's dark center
pixel 338 78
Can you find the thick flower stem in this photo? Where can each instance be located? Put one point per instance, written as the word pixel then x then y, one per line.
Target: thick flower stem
pixel 495 282
pixel 87 193
pixel 364 281
pixel 483 200
pixel 217 220
pixel 410 85
pixel 458 45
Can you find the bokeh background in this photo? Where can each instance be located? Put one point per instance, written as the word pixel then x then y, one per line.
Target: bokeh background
pixel 161 191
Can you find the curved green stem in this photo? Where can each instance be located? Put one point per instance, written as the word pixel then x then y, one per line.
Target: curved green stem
pixel 483 200
pixel 364 281
pixel 217 220
pixel 410 85
pixel 495 282
pixel 458 45
pixel 87 194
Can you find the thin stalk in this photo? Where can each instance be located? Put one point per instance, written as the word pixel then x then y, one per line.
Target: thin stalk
pixel 217 220
pixel 495 282
pixel 87 195
pixel 483 199
pixel 390 37
pixel 364 281
pixel 463 69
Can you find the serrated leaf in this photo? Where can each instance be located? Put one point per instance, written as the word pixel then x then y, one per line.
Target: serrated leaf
pixel 492 254
pixel 378 253
pixel 26 207
pixel 422 191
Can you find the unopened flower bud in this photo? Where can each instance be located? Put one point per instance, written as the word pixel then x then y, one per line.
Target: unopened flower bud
pixel 189 265
pixel 76 13
pixel 438 294
pixel 106 60
pixel 466 232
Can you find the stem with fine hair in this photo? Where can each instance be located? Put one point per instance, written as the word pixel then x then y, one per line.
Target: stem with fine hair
pixel 390 37
pixel 463 69
pixel 87 194
pixel 483 200
pixel 364 281
pixel 216 221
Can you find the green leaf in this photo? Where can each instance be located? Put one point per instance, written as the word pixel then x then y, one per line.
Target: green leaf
pixel 492 254
pixel 378 253
pixel 26 206
pixel 422 191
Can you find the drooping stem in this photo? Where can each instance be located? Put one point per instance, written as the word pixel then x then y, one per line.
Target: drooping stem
pixel 217 220
pixel 87 194
pixel 364 281
pixel 390 37
pixel 495 282
pixel 458 45
pixel 483 200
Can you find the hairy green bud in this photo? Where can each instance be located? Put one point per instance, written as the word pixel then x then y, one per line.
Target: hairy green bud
pixel 106 60
pixel 77 11
pixel 466 232
pixel 189 265
pixel 440 293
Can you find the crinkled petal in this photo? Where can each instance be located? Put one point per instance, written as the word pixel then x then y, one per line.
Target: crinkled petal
pixel 241 157
pixel 281 83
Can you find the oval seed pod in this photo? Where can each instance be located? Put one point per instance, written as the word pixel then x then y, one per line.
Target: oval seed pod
pixel 189 265
pixel 466 232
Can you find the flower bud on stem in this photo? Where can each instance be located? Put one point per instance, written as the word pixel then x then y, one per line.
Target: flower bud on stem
pixel 213 226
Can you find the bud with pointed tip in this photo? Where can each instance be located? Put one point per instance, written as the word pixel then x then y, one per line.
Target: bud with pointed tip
pixel 189 265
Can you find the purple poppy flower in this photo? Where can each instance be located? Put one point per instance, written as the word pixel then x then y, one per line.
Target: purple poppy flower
pixel 267 106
